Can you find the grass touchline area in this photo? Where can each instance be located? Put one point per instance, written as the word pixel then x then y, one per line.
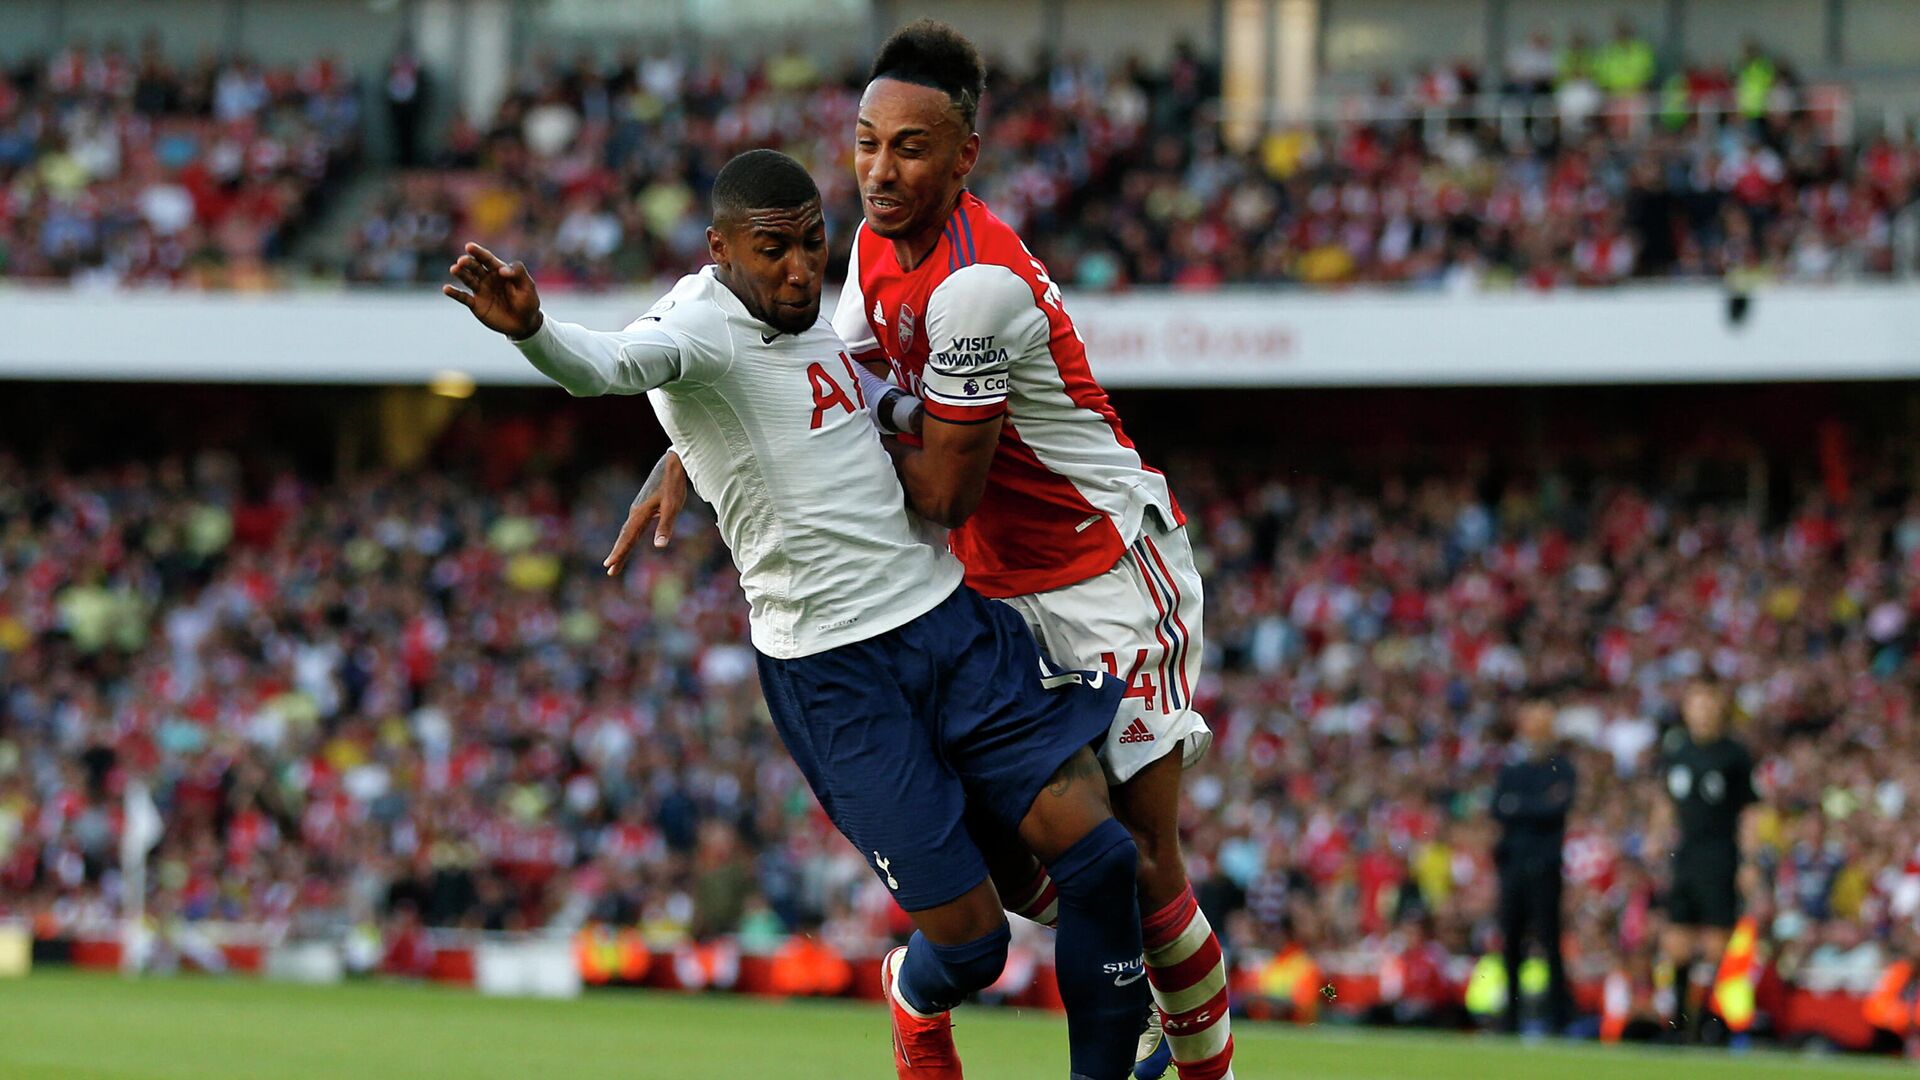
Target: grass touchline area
pixel 65 1025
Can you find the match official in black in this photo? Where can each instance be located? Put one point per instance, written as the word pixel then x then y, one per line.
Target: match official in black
pixel 1709 776
pixel 1530 801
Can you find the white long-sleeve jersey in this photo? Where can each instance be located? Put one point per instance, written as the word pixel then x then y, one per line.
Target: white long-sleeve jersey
pixel 775 434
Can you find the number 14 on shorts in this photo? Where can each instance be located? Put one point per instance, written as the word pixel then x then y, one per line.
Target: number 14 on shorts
pixel 1139 681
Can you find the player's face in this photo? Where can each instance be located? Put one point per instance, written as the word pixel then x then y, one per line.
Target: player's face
pixel 1704 712
pixel 911 157
pixel 775 261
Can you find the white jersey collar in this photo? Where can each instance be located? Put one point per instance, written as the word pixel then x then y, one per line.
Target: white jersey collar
pixel 731 304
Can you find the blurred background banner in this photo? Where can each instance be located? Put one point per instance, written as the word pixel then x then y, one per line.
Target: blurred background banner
pixel 1689 334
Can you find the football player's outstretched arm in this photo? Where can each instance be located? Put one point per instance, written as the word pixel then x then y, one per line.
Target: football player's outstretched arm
pixel 585 362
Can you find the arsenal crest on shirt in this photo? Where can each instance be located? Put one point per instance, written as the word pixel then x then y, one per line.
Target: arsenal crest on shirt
pixel 904 327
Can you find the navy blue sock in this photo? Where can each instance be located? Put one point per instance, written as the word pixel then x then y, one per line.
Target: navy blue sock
pixel 935 978
pixel 1101 964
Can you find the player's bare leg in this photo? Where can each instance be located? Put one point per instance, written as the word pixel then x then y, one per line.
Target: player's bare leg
pixel 1148 804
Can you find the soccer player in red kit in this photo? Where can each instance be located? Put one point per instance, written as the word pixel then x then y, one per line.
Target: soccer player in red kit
pixel 1022 456
pixel 1051 508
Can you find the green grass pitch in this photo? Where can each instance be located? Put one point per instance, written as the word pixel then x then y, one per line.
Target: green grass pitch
pixel 67 1026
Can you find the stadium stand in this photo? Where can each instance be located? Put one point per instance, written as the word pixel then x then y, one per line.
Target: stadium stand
pixel 124 168
pixel 600 176
pixel 1123 174
pixel 1590 176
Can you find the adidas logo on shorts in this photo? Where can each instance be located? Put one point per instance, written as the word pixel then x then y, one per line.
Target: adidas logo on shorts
pixel 1137 732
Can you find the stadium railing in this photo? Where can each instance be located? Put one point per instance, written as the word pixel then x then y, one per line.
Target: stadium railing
pixel 1839 117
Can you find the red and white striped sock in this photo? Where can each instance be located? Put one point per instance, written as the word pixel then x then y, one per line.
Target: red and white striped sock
pixel 1189 977
pixel 1038 900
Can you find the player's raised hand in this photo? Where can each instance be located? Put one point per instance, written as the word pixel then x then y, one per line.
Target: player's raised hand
pixel 663 496
pixel 500 295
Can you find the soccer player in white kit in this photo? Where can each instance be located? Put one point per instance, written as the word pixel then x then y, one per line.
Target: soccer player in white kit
pixel 911 703
pixel 1052 508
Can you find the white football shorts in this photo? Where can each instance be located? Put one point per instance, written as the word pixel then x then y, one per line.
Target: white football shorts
pixel 1139 622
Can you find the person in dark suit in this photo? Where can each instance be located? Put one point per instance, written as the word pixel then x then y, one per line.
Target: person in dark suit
pixel 1530 801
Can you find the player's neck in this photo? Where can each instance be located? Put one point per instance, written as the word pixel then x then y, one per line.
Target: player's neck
pixel 721 274
pixel 909 251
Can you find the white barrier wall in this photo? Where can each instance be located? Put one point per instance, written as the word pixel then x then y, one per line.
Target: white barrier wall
pixel 1650 335
pixel 313 963
pixel 526 967
pixel 16 949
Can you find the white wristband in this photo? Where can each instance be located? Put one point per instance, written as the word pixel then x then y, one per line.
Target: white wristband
pixel 904 406
pixel 891 406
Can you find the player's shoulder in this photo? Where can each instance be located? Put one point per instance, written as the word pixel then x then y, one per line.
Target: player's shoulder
pixel 984 238
pixel 983 317
pixel 983 288
pixel 992 265
pixel 688 309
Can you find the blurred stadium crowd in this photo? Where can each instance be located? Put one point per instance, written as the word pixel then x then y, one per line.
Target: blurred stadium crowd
pixel 1587 164
pixel 411 699
pixel 121 167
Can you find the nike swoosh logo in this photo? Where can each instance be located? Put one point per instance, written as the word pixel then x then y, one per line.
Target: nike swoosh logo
pixel 1129 980
pixel 767 339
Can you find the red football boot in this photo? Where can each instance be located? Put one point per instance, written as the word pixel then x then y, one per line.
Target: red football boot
pixel 922 1045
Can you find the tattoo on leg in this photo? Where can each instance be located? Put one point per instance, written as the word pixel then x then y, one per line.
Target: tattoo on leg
pixel 1080 768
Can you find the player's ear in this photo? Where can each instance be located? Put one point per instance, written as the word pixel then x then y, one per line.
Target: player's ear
pixel 717 246
pixel 969 153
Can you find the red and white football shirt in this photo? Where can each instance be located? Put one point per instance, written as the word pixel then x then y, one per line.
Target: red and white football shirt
pixel 977 330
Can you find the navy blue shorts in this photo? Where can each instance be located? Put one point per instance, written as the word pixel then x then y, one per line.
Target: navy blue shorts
pixel 899 734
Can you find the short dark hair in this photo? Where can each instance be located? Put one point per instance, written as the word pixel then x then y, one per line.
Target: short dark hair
pixel 761 180
pixel 928 52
